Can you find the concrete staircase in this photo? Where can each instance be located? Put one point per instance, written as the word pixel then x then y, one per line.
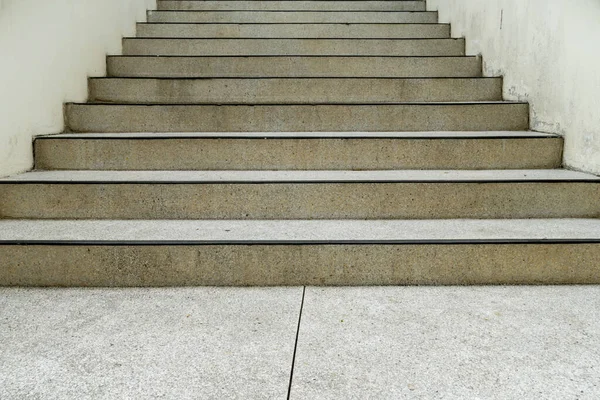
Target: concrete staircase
pixel 297 143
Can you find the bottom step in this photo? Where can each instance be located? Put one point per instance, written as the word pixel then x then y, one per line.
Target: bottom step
pixel 265 253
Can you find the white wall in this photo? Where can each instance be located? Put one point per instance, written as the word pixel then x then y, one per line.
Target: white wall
pixel 549 54
pixel 48 48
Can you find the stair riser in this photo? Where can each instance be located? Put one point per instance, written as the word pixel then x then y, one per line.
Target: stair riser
pixel 191 67
pixel 293 91
pixel 292 17
pixel 399 31
pixel 275 265
pixel 297 154
pixel 327 118
pixel 293 5
pixel 300 200
pixel 298 47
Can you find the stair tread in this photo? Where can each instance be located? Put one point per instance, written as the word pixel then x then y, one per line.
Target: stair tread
pixel 303 231
pixel 285 56
pixel 292 23
pixel 298 135
pixel 251 104
pixel 299 176
pixel 296 78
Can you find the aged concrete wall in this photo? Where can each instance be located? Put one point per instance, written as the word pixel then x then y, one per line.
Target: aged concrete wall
pixel 47 50
pixel 549 53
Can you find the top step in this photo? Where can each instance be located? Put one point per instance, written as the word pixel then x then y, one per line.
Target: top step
pixel 293 17
pixel 319 5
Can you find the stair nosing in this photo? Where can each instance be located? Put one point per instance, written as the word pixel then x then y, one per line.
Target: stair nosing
pixel 258 242
pixel 275 56
pixel 300 177
pixel 288 38
pixel 499 102
pixel 298 182
pixel 332 1
pixel 206 78
pixel 293 10
pixel 293 23
pixel 302 135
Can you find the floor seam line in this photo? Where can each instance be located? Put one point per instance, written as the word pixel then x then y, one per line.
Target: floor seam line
pixel 296 343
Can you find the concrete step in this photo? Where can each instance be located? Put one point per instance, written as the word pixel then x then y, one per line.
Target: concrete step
pixel 306 30
pixel 345 17
pixel 214 67
pixel 275 5
pixel 488 116
pixel 185 253
pixel 293 47
pixel 302 151
pixel 401 194
pixel 292 90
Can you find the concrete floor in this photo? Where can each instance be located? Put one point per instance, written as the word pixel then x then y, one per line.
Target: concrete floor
pixel 353 343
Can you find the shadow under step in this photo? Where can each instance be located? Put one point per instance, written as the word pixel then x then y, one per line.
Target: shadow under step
pixel 274 253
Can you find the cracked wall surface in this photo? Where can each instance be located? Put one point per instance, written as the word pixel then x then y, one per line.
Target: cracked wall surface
pixel 548 53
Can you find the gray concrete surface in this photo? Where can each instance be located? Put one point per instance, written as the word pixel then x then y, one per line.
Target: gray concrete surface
pixel 135 264
pixel 306 231
pixel 135 195
pixel 292 90
pixel 449 343
pixel 304 151
pixel 293 16
pixel 147 344
pixel 300 66
pixel 275 253
pixel 293 47
pixel 297 118
pixel 404 175
pixel 312 135
pixel 320 5
pixel 305 30
pixel 528 343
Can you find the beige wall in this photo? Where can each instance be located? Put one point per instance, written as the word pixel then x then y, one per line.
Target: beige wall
pixel 48 48
pixel 549 54
pixel 546 49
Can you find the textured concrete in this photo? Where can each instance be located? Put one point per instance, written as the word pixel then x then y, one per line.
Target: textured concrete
pixel 318 5
pixel 293 47
pixel 303 231
pixel 213 67
pixel 428 150
pixel 293 16
pixel 455 343
pixel 246 176
pixel 299 118
pixel 147 344
pixel 168 264
pixel 300 195
pixel 309 135
pixel 450 343
pixel 292 90
pixel 306 30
